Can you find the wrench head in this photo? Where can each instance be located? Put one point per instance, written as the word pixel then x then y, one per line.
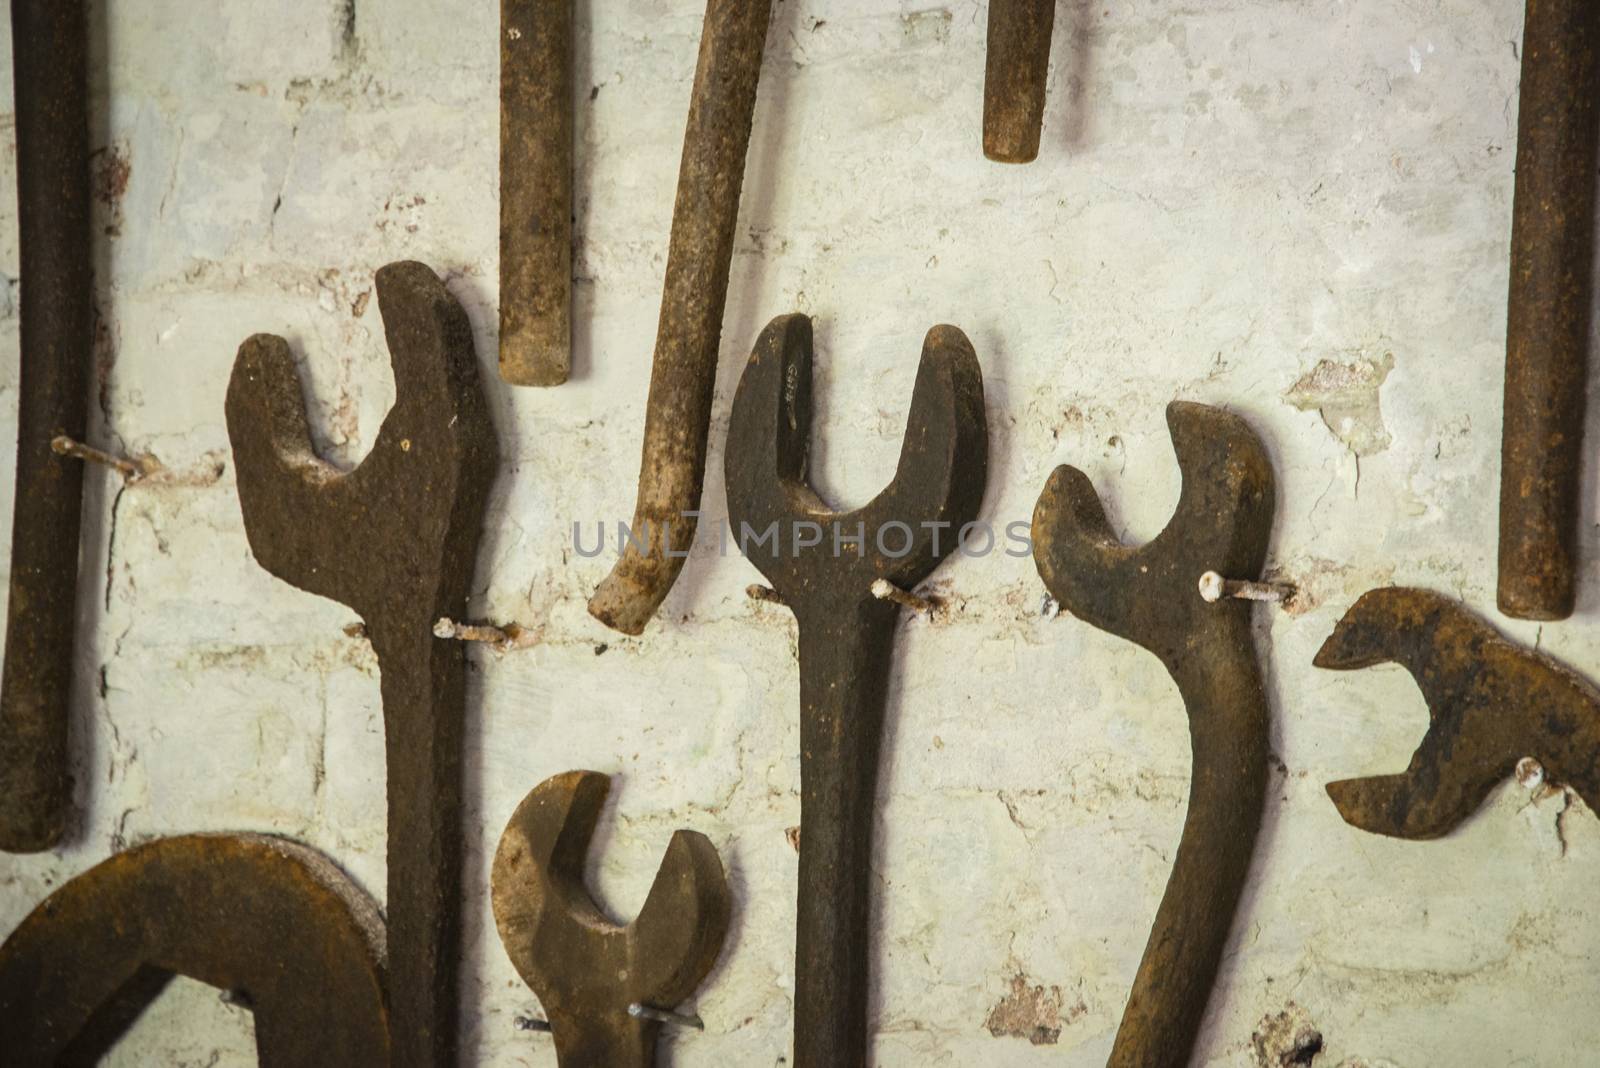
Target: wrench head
pixel 411 509
pixel 1490 703
pixel 908 528
pixel 585 969
pixel 1150 594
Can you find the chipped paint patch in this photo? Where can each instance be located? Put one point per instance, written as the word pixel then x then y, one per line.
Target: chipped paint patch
pixel 1286 1039
pixel 1346 396
pixel 1031 1012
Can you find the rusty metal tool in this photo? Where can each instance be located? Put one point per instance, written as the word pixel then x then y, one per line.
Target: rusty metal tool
pixel 678 412
pixel 846 631
pixel 1491 702
pixel 396 540
pixel 269 920
pixel 535 191
pixel 1014 78
pixel 1149 596
pixel 48 45
pixel 1548 315
pixel 586 970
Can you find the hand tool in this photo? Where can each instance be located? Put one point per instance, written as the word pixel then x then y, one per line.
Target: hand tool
pixel 678 411
pixel 535 191
pixel 586 970
pixel 1548 315
pixel 48 44
pixel 1014 78
pixel 1490 703
pixel 1149 595
pixel 396 540
pixel 846 632
pixel 269 920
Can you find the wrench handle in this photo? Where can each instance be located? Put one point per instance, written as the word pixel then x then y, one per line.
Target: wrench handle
pixel 1015 73
pixel 844 674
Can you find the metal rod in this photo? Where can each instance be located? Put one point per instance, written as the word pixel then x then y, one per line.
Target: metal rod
pixel 1547 323
pixel 535 191
pixel 48 41
pixel 1014 78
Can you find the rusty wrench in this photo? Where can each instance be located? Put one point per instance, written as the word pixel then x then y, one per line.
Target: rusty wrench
pixel 1150 596
pixel 586 970
pixel 396 540
pixel 1490 701
pixel 273 922
pixel 846 633
pixel 1548 314
pixel 48 42
pixel 677 418
pixel 1015 70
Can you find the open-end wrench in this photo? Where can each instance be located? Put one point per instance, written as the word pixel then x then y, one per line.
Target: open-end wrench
pixel 1491 702
pixel 587 971
pixel 677 417
pixel 846 632
pixel 48 45
pixel 1014 78
pixel 271 922
pixel 396 540
pixel 535 191
pixel 1549 310
pixel 1149 595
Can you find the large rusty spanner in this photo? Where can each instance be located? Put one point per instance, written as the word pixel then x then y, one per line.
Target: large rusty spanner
pixel 1017 65
pixel 1150 596
pixel 396 540
pixel 586 970
pixel 271 922
pixel 846 632
pixel 677 417
pixel 1549 311
pixel 1491 702
pixel 48 45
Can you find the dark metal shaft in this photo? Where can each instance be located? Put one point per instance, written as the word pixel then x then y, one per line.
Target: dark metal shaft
pixel 48 49
pixel 678 413
pixel 1014 78
pixel 535 191
pixel 1547 324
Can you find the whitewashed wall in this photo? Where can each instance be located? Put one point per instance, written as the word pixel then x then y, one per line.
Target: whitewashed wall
pixel 1298 209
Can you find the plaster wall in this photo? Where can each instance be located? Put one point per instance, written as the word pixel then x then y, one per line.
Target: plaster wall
pixel 1299 210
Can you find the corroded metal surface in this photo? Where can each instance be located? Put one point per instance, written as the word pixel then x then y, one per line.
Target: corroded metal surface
pixel 1547 325
pixel 535 191
pixel 1491 702
pixel 396 540
pixel 1014 78
pixel 273 922
pixel 678 413
pixel 846 633
pixel 1149 595
pixel 585 969
pixel 52 128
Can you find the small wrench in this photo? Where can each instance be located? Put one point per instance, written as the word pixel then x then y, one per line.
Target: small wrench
pixel 1015 70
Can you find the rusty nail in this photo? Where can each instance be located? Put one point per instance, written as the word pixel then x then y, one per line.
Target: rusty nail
pixel 62 445
pixel 678 412
pixel 667 1016
pixel 1017 63
pixel 1213 588
pixel 884 590
pixel 511 636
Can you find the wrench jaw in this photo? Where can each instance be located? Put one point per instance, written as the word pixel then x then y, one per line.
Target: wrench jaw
pixel 585 969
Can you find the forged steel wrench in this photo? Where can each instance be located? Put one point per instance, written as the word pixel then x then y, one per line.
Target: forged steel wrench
pixel 396 540
pixel 1150 596
pixel 846 633
pixel 585 969
pixel 48 44
pixel 677 418
pixel 1548 315
pixel 1014 78
pixel 272 922
pixel 1490 703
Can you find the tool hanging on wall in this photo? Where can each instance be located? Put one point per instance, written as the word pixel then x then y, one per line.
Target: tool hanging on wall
pixel 1549 311
pixel 1490 704
pixel 1150 596
pixel 396 540
pixel 535 191
pixel 678 412
pixel 48 46
pixel 846 630
pixel 271 922
pixel 594 978
pixel 1015 70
